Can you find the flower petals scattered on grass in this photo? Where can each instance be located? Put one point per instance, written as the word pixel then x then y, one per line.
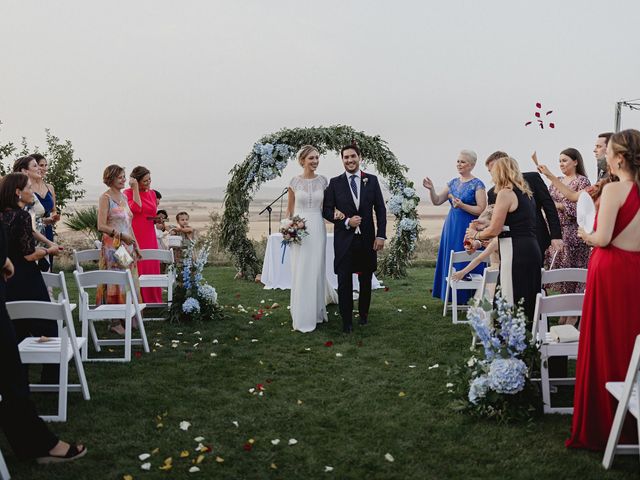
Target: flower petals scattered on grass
pixel 388 457
pixel 143 456
pixel 219 459
pixel 184 453
pixel 127 477
pixel 235 422
pixel 328 468
pixel 328 343
pixel 194 469
pixel 199 459
pixel 275 441
pixel 412 366
pixel 168 464
pixel 338 355
pixel 402 394
pixel 146 466
pixel 184 425
pixel 274 466
pixel 247 447
pixel 292 441
pixel 435 365
pixel 300 402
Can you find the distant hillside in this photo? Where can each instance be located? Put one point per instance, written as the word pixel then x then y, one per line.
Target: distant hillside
pixel 213 193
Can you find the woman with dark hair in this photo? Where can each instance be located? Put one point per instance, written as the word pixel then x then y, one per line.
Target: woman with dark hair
pixel 610 316
pixel 27 282
pixel 27 434
pixel 143 204
pixel 575 253
pixel 47 197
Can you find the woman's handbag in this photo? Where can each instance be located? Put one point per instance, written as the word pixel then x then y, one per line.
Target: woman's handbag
pixel 122 256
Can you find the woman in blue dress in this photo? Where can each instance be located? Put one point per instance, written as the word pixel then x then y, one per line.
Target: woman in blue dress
pixel 47 198
pixel 468 199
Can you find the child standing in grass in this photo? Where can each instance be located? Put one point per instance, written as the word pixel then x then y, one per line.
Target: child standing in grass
pixel 183 229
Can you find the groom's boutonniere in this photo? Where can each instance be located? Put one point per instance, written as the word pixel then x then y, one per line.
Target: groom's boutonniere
pixel 364 178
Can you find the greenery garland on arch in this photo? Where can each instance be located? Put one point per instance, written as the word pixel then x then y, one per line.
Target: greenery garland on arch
pixel 270 156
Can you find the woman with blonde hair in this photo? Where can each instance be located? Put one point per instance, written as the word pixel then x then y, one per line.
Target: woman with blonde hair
pixel 310 290
pixel 514 223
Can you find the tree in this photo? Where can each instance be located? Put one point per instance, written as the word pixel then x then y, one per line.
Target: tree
pixel 63 166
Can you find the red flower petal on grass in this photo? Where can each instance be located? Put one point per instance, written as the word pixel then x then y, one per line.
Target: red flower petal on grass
pixel 268 380
pixel 259 387
pixel 552 125
pixel 328 343
pixel 137 354
pixel 537 114
pixel 527 124
pixel 247 447
pixel 386 289
pixel 237 295
pixel 538 105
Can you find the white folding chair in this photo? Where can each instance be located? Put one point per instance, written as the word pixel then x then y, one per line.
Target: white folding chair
pixel 56 281
pixel 58 350
pixel 162 280
pixel 489 277
pixel 473 284
pixel 4 471
pixel 561 275
pixel 627 395
pixel 85 256
pixel 555 306
pixel 127 311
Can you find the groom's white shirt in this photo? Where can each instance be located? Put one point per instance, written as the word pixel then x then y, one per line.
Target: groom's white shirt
pixel 356 200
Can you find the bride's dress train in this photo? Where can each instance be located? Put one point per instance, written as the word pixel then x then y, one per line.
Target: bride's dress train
pixel 310 290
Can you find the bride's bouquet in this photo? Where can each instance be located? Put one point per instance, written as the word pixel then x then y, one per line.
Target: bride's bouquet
pixel 293 230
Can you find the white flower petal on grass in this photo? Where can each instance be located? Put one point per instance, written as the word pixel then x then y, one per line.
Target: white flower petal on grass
pixel 292 441
pixel 215 340
pixel 328 468
pixel 143 456
pixel 338 355
pixel 213 354
pixel 275 441
pixel 435 365
pixel 399 310
pixel 412 366
pixel 146 466
pixel 254 340
pixel 184 425
pixel 307 349
pixel 197 332
pixel 194 469
pixel 449 385
pixel 388 457
pixel 235 422
pixel 198 439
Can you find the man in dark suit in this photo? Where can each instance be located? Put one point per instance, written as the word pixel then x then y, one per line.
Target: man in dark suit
pixel 356 241
pixel 548 230
pixel 599 151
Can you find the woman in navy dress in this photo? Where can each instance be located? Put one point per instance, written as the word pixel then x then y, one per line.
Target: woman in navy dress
pixel 47 198
pixel 468 199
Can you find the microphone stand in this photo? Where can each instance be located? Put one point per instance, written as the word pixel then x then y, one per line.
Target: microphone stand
pixel 269 209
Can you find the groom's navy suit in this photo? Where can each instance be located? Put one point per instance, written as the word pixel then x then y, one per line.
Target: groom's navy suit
pixel 354 251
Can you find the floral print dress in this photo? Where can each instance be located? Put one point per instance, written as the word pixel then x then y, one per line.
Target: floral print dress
pixel 575 253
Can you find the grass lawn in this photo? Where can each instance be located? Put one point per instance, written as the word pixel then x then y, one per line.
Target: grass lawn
pixel 342 403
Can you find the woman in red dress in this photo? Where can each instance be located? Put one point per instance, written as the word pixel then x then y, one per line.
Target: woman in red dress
pixel 143 205
pixel 610 317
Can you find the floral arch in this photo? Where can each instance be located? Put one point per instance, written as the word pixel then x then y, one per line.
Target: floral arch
pixel 270 156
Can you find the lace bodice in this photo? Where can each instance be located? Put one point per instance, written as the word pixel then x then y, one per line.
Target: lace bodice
pixel 309 192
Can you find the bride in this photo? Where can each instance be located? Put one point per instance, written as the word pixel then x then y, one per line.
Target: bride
pixel 310 290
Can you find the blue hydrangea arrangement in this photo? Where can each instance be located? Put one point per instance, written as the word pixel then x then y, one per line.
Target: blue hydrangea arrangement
pixel 498 383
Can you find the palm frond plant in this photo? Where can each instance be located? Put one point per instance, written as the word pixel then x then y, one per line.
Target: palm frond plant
pixel 85 221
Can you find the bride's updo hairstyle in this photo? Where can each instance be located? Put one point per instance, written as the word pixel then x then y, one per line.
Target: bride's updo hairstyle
pixel 627 144
pixel 506 174
pixel 304 153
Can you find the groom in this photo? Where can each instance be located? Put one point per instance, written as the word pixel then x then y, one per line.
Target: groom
pixel 355 241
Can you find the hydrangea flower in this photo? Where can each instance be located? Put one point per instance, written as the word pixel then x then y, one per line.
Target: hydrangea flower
pixel 266 150
pixel 191 305
pixel 409 192
pixel 394 205
pixel 408 205
pixel 209 293
pixel 408 224
pixel 282 149
pixel 478 389
pixel 507 375
pixel 281 165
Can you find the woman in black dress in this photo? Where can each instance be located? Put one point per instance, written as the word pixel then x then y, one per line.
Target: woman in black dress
pixel 514 223
pixel 27 282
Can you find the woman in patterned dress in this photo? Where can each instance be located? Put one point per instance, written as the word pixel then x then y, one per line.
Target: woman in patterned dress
pixel 575 253
pixel 468 199
pixel 114 221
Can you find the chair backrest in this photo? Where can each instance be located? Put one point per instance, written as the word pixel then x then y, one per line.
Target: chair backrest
pixel 57 281
pixel 555 306
pixel 92 279
pixel 85 256
pixel 164 256
pixel 489 277
pixel 459 257
pixel 560 275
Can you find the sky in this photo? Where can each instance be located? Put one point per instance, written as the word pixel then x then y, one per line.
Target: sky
pixel 186 88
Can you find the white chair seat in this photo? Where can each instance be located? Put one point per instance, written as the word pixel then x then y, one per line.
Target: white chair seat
pixel 32 351
pixel 103 311
pixel 616 389
pixel 156 278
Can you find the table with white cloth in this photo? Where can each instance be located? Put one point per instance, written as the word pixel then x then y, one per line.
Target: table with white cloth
pixel 276 268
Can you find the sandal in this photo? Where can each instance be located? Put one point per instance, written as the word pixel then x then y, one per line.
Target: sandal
pixel 72 454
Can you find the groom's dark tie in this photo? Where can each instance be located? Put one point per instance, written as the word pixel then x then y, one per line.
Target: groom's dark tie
pixel 353 185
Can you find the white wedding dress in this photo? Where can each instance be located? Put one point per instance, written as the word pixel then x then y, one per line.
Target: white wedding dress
pixel 310 289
